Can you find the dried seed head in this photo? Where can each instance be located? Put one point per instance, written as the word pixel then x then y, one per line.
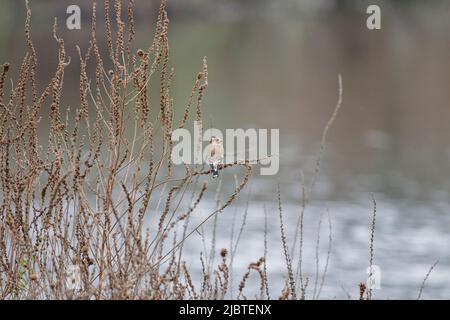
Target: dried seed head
pixel 6 66
pixel 140 53
pixel 84 249
pixel 34 277
pixel 223 253
pixel 111 73
pixel 362 289
pixel 200 75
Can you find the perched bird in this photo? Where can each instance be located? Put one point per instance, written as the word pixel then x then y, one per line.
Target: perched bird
pixel 214 155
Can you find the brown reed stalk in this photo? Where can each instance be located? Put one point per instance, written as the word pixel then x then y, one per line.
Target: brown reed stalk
pixel 256 266
pixel 372 238
pixel 266 281
pixel 285 248
pixel 99 192
pixel 307 190
pixel 330 241
pixel 422 286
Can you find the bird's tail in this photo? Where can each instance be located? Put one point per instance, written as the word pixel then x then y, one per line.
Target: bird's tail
pixel 215 170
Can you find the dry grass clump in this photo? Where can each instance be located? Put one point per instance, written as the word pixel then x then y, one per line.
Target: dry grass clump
pixel 82 196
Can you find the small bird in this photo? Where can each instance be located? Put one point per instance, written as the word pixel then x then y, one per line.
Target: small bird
pixel 214 155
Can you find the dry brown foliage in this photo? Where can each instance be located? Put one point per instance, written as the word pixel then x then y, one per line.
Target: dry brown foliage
pixel 82 195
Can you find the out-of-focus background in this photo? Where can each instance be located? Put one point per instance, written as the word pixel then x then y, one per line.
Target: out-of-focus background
pixel 275 64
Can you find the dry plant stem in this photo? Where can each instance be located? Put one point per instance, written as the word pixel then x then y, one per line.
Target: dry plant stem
pixel 187 219
pixel 266 281
pixel 212 251
pixel 306 192
pixel 316 276
pixel 330 241
pixel 233 226
pixel 226 204
pixel 347 294
pixel 425 279
pixel 233 247
pixel 254 266
pixel 300 225
pixel 285 249
pixel 242 227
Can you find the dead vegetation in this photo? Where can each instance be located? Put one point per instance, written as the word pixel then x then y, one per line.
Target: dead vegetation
pixel 83 195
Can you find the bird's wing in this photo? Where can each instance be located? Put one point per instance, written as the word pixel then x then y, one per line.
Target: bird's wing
pixel 210 153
